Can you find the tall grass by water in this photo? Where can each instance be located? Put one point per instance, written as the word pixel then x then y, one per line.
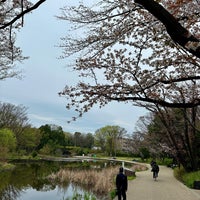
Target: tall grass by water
pixel 97 181
pixel 100 182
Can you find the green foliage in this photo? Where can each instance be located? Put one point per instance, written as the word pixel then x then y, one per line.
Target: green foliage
pixel 171 131
pixel 187 178
pixel 89 140
pixel 113 194
pixel 165 161
pixel 7 139
pixel 85 196
pixel 29 139
pixel 52 137
pixel 144 153
pixel 34 154
pixel 179 172
pixel 13 117
pixel 130 178
pixel 108 137
pixel 80 140
pixel 71 150
pixel 47 149
pixel 7 142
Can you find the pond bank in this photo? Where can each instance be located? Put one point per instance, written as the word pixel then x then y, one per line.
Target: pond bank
pixel 30 175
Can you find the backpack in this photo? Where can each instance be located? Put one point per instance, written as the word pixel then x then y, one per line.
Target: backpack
pixel 155 168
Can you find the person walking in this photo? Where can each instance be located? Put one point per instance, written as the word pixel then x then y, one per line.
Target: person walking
pixel 121 184
pixel 155 169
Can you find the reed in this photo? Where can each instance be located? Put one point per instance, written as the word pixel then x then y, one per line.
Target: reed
pixel 100 182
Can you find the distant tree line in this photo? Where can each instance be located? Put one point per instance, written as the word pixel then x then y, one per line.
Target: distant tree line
pixel 18 136
pixel 160 134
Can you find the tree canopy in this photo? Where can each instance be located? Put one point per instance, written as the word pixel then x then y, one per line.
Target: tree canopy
pixel 132 53
pixel 7 142
pixel 14 118
pixel 142 52
pixel 108 139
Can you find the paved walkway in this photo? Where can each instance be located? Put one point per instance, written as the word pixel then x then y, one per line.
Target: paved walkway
pixel 165 188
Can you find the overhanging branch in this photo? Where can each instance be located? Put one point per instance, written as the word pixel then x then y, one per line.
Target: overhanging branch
pixel 177 32
pixel 157 102
pixel 35 6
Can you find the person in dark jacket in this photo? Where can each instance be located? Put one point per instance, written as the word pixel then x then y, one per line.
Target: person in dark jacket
pixel 121 184
pixel 155 170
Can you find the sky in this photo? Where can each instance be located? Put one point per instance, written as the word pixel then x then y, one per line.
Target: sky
pixel 44 75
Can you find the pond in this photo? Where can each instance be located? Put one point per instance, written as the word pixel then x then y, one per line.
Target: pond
pixel 28 182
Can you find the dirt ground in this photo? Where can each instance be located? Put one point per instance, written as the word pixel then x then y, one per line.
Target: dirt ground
pixel 165 188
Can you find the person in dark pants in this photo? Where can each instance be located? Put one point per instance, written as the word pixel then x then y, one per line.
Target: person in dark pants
pixel 155 170
pixel 121 184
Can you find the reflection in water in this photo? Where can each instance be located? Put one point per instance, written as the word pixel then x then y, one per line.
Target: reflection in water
pixel 55 194
pixel 28 182
pixel 10 193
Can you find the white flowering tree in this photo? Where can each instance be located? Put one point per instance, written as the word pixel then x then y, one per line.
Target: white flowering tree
pixel 142 52
pixel 11 20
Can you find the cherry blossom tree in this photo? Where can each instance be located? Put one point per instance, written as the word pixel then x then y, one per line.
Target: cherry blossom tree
pixel 130 56
pixel 142 52
pixel 11 21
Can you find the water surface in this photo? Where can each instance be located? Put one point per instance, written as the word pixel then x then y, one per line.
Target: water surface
pixel 28 182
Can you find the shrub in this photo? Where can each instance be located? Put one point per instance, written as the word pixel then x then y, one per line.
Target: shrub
pixel 34 154
pixel 185 177
pixel 189 178
pixel 179 172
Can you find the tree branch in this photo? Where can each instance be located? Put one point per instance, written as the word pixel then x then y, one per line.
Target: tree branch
pixel 177 32
pixel 157 102
pixel 35 6
pixel 190 78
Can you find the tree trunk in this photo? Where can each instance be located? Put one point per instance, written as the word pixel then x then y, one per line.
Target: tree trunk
pixel 177 32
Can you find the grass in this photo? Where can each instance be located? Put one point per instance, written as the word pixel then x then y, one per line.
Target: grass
pixel 85 196
pixel 185 177
pixel 189 178
pixel 178 173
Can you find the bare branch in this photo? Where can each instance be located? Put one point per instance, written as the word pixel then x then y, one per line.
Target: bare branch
pixel 35 6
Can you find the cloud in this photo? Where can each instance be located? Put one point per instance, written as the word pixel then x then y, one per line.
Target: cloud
pixel 41 118
pixel 45 76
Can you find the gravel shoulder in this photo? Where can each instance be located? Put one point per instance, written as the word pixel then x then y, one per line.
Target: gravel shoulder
pixel 165 188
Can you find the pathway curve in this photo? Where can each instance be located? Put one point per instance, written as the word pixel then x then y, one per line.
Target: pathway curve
pixel 165 188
